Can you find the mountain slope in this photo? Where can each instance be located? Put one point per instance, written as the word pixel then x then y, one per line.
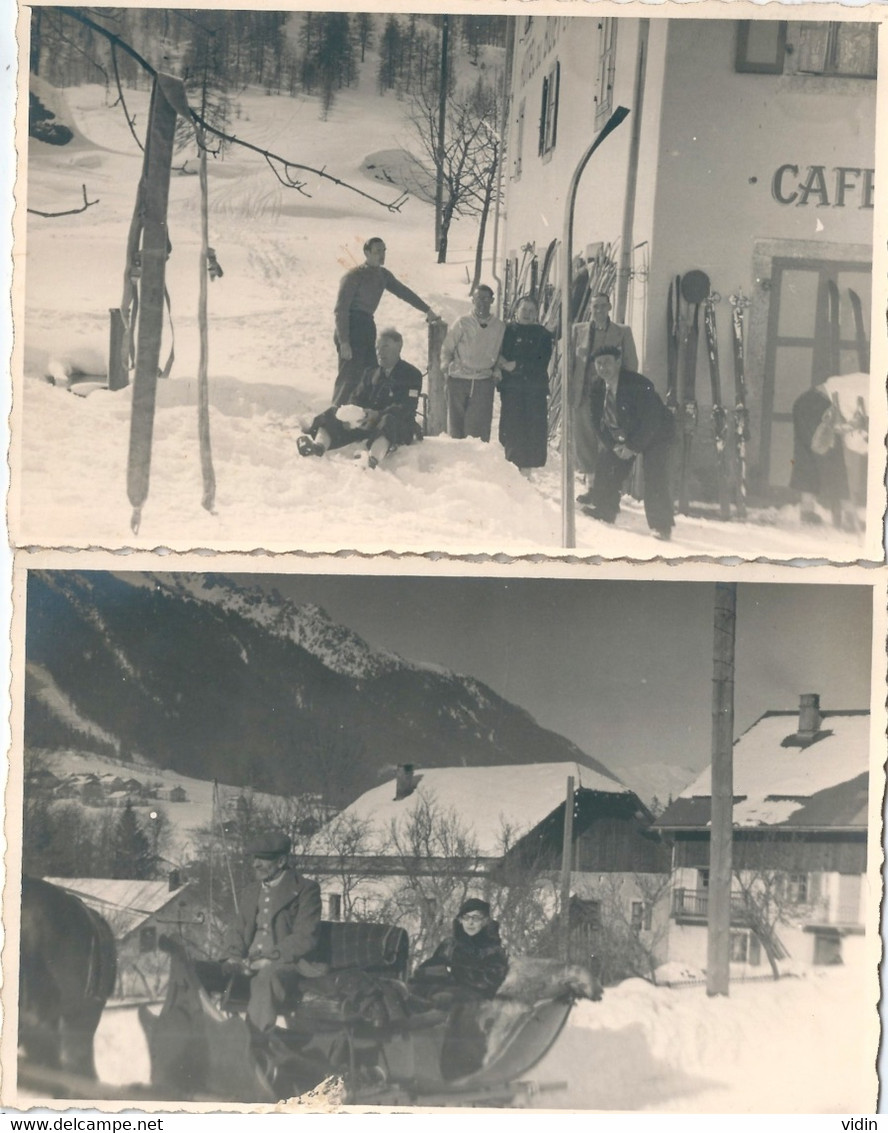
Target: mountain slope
pixel 213 680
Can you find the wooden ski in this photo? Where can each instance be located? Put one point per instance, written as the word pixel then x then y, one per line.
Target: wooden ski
pixel 719 416
pixel 694 289
pixel 153 199
pixel 739 303
pixel 860 336
pixel 834 336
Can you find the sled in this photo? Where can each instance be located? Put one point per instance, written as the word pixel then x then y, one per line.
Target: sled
pixel 358 1022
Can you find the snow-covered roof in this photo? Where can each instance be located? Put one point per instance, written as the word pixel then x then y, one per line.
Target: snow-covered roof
pixel 484 800
pixel 776 775
pixel 125 904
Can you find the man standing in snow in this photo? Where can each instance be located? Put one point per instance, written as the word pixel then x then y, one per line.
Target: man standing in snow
pixel 629 418
pixel 589 337
pixel 385 399
pixel 277 926
pixel 468 357
pixel 359 294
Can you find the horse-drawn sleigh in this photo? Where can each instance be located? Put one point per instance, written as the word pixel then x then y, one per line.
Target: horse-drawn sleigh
pixel 359 1022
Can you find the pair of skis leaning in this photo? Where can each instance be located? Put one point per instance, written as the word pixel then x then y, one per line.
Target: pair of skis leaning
pixel 695 289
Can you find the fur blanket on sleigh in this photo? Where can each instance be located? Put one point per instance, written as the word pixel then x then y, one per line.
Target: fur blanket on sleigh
pixel 529 981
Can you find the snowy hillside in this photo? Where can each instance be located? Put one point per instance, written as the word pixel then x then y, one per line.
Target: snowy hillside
pixel 272 361
pixel 307 625
pixel 219 682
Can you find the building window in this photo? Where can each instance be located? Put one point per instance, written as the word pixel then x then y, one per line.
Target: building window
pixel 148 939
pixel 745 949
pixel 607 61
pixel 641 916
pixel 839 49
pixel 823 47
pixel 334 907
pixel 703 878
pixel 796 888
pixel 549 110
pixel 761 47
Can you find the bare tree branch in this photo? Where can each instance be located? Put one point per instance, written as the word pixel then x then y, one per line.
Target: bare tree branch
pixel 286 163
pixel 68 212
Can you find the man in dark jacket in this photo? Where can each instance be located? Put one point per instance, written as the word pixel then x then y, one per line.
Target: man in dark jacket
pixel 588 339
pixel 359 294
pixel 276 927
pixel 388 394
pixel 464 970
pixel 629 419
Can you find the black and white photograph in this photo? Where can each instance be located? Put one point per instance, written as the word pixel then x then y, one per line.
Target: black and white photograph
pixel 408 840
pixel 520 279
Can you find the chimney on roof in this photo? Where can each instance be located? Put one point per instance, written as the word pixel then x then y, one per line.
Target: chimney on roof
pixel 404 781
pixel 809 714
pixel 175 880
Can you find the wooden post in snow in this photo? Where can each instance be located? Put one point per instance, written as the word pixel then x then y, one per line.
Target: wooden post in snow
pixel 718 944
pixel 566 869
pixel 437 421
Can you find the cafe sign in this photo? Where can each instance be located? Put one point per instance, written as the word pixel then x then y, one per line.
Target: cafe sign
pixel 836 186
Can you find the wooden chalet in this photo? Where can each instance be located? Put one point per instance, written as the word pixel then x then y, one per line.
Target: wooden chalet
pixel 800 814
pixel 139 913
pixel 490 826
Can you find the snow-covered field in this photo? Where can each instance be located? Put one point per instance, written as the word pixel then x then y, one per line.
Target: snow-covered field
pixel 272 362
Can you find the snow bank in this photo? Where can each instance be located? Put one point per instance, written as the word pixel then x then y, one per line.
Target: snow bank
pixel 794 1046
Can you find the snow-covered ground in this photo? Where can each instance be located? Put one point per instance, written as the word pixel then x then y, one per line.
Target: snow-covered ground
pixel 802 1045
pixel 272 362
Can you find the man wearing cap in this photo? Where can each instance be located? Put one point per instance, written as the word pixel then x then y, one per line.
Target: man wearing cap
pixel 276 927
pixel 588 338
pixel 630 420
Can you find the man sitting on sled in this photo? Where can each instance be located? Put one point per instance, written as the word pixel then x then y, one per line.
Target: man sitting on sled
pixel 275 928
pixel 381 411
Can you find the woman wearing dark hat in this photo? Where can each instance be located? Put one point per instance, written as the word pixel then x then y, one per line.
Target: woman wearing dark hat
pixel 472 960
pixel 464 970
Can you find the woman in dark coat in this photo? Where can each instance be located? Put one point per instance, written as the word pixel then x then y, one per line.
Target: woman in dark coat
pixel 524 388
pixel 463 971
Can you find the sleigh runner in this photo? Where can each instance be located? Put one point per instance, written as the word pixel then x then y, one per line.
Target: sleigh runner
pixel 358 1021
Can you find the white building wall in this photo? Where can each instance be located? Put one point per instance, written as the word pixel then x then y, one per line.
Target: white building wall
pixel 537 197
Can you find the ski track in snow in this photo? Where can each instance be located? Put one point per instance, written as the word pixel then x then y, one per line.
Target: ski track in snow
pixel 271 363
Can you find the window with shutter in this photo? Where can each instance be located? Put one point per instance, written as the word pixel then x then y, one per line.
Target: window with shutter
pixel 549 110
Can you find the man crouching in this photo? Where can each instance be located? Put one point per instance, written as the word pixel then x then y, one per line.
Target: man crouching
pixel 387 395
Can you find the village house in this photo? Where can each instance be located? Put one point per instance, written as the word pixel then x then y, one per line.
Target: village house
pixel 800 816
pixel 139 913
pixel 748 154
pixel 487 829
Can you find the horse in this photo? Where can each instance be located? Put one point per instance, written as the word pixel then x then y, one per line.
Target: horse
pixel 68 968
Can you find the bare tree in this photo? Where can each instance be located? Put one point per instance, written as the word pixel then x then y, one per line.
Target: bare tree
pixel 346 844
pixel 465 165
pixel 769 895
pixel 426 895
pixel 634 925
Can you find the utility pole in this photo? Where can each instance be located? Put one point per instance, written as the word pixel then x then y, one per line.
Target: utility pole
pixel 718 944
pixel 442 119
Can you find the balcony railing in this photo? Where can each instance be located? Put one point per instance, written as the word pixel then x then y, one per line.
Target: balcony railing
pixel 693 904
